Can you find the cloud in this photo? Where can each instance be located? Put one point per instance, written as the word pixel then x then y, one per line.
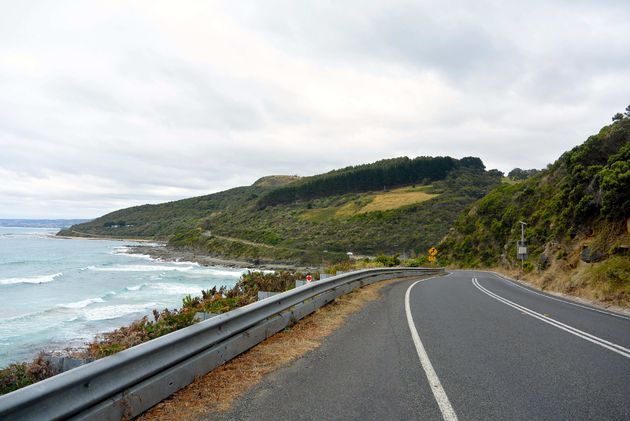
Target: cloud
pixel 111 104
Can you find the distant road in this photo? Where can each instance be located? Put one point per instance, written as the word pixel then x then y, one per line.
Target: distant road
pixel 467 346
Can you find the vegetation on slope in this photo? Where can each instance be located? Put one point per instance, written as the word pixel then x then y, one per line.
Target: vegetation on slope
pixel 325 226
pixel 576 211
pixel 369 177
pixel 313 230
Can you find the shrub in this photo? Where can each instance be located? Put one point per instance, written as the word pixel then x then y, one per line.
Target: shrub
pixel 16 376
pixel 388 261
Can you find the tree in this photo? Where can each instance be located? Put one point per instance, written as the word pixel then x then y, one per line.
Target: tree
pixel 628 111
pixel 617 117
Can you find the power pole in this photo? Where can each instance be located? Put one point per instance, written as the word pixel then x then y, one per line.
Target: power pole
pixel 521 248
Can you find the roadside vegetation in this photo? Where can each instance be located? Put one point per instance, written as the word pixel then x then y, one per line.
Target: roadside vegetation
pixel 577 215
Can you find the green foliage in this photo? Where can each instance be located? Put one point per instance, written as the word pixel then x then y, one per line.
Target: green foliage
pixel 587 185
pixel 617 117
pixel 528 266
pixel 388 261
pixel 18 375
pixel 611 279
pixel 615 184
pixel 369 177
pixel 519 174
pixel 231 223
pixel 420 261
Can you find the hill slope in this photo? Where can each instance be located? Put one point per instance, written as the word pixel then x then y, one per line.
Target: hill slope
pixel 314 219
pixel 577 214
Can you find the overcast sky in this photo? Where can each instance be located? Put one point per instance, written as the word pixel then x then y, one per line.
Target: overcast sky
pixel 109 104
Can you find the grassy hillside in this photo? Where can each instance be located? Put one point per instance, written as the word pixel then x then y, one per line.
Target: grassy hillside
pixel 577 214
pixel 369 177
pixel 242 222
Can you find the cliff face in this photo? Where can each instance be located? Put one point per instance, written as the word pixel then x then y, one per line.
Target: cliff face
pixel 577 214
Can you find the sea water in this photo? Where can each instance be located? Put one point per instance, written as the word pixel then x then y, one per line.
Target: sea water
pixel 57 293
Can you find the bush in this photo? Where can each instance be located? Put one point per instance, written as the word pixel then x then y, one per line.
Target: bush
pixel 16 376
pixel 388 261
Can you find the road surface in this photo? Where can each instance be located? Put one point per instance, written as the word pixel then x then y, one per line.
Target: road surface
pixel 468 346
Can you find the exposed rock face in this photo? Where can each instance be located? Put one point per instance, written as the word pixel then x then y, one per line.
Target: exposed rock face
pixel 543 262
pixel 590 256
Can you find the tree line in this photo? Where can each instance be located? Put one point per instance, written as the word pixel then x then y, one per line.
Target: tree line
pixel 379 175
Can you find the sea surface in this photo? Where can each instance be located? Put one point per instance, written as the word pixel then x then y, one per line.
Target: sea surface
pixel 57 293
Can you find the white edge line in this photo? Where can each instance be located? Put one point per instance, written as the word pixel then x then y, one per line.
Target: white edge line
pixel 609 313
pixel 448 413
pixel 586 336
pixel 556 323
pixel 523 308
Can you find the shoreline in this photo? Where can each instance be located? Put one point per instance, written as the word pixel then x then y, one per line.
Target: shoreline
pixel 157 249
pixel 162 252
pixel 135 240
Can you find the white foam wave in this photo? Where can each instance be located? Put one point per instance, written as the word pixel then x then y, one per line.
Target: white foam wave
pixel 116 311
pixel 120 250
pixel 177 289
pixel 182 262
pixel 218 272
pixel 136 287
pixel 126 251
pixel 41 279
pixel 82 303
pixel 142 268
pixel 23 316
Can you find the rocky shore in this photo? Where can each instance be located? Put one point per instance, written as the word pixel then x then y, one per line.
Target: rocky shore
pixel 162 252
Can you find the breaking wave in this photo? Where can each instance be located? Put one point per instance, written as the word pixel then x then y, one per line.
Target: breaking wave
pixel 40 279
pixel 116 311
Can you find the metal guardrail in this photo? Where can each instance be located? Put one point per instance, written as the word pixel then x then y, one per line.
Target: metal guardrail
pixel 128 383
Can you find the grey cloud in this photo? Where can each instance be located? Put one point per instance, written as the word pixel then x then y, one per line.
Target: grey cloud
pixel 106 106
pixel 203 104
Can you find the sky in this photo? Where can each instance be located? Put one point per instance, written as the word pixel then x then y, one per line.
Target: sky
pixel 111 104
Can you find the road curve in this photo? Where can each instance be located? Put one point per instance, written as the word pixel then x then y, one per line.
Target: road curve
pixel 493 350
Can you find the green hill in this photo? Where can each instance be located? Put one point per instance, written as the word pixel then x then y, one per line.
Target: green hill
pixel 392 206
pixel 577 213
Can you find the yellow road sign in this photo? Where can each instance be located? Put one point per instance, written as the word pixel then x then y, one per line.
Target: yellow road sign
pixel 432 258
pixel 433 251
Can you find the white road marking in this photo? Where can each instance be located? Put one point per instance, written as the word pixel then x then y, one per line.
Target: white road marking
pixel 609 313
pixel 448 413
pixel 579 333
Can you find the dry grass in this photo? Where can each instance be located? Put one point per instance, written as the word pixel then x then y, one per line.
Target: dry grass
pixel 591 282
pixel 371 202
pixel 321 214
pixel 396 199
pixel 217 390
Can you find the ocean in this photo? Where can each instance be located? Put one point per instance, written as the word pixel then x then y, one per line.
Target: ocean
pixel 57 293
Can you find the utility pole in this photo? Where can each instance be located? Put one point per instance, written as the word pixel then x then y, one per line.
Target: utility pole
pixel 521 247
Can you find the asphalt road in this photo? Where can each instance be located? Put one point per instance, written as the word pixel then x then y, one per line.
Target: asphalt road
pixel 485 349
